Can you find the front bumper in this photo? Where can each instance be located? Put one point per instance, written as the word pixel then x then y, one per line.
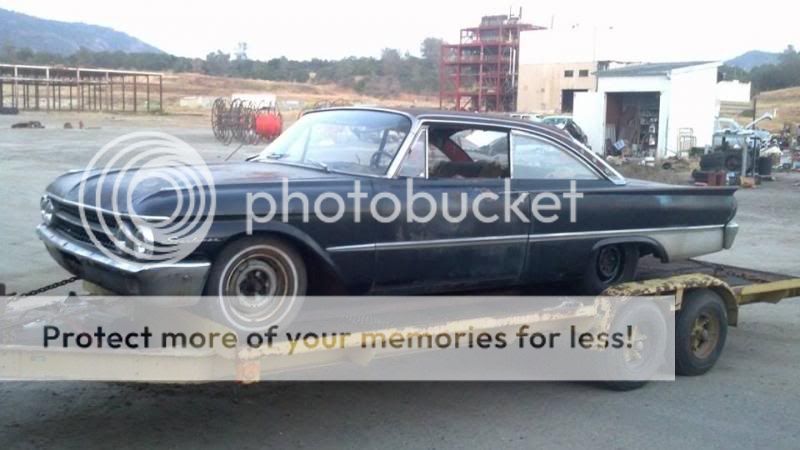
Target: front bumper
pixel 124 277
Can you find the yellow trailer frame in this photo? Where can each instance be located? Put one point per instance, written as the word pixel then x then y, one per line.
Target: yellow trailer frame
pixel 737 286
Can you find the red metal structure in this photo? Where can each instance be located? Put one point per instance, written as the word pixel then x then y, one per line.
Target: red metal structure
pixel 480 72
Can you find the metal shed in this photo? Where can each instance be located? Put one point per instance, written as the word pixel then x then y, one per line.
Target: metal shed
pixel 658 109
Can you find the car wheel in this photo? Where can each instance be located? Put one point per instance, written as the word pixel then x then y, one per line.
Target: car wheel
pixel 623 386
pixel 701 328
pixel 255 283
pixel 629 368
pixel 610 265
pixel 733 163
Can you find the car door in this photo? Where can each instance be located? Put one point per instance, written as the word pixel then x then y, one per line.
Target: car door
pixel 463 172
pixel 567 198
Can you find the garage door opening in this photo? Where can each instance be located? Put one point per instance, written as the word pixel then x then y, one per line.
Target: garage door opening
pixel 568 99
pixel 632 123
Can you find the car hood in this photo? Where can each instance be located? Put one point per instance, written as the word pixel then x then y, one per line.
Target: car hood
pixel 154 194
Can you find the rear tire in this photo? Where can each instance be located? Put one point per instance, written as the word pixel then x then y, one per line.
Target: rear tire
pixel 623 386
pixel 255 283
pixel 609 265
pixel 701 328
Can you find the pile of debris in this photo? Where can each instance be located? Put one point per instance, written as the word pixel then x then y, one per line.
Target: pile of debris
pixel 28 124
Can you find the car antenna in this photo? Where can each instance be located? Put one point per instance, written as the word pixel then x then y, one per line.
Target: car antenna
pixel 234 152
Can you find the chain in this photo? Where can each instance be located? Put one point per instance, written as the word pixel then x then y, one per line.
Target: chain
pixel 48 287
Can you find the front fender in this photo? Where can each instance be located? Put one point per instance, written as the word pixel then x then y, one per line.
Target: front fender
pixel 226 232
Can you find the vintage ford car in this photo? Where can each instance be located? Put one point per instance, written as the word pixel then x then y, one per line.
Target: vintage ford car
pixel 613 221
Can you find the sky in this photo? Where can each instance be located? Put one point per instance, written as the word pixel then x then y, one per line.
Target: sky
pixel 669 30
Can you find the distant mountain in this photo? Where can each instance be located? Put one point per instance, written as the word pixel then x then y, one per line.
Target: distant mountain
pixel 753 58
pixel 64 38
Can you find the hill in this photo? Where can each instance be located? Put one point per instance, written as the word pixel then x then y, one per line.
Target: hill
pixel 753 58
pixel 786 102
pixel 64 38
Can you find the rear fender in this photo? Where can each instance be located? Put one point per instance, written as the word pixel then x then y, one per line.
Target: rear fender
pixel 658 249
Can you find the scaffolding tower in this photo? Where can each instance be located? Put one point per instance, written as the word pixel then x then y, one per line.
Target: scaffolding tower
pixel 480 72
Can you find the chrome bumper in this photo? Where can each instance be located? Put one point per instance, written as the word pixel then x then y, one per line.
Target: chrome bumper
pixel 729 234
pixel 124 277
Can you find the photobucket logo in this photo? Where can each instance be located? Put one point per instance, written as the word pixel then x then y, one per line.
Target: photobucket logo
pixel 486 206
pixel 135 166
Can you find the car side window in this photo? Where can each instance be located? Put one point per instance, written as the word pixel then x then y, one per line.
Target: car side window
pixel 414 164
pixel 467 152
pixel 538 159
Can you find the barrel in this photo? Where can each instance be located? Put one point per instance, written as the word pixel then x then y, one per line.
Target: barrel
pixel 765 165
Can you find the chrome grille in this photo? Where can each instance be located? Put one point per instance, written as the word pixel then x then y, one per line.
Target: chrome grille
pixel 67 219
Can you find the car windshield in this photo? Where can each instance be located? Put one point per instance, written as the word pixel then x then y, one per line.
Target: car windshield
pixel 555 120
pixel 728 124
pixel 352 141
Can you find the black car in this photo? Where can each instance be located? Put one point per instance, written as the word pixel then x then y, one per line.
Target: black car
pixel 569 126
pixel 488 161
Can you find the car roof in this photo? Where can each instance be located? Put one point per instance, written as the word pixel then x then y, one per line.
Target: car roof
pixel 444 115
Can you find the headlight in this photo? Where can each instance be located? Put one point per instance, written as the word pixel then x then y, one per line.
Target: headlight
pixel 47 208
pixel 137 239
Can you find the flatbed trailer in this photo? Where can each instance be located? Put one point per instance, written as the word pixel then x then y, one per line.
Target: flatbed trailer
pixel 689 282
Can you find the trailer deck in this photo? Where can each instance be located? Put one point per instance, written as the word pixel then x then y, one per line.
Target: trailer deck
pixel 737 286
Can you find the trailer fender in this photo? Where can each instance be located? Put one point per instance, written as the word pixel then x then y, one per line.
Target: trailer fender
pixel 678 286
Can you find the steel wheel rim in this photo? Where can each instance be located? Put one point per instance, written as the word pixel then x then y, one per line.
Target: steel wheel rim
pixel 705 335
pixel 609 264
pixel 257 286
pixel 633 355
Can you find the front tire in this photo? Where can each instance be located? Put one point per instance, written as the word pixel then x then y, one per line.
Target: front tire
pixel 255 283
pixel 701 328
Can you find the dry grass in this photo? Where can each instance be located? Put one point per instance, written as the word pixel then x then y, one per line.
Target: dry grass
pixel 680 173
pixel 787 104
pixel 177 86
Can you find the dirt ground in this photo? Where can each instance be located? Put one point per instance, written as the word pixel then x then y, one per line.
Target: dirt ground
pixel 180 85
pixel 752 396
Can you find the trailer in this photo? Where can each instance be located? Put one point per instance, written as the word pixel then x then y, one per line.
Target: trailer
pixel 707 300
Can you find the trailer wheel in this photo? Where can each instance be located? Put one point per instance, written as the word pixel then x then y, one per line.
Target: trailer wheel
pixel 629 368
pixel 623 386
pixel 701 327
pixel 609 265
pixel 255 283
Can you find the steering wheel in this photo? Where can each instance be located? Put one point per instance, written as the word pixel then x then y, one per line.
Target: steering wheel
pixel 375 159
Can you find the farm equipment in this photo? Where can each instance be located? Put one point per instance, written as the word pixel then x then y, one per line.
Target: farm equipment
pixel 245 122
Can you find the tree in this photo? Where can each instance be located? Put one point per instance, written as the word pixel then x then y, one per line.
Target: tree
pixel 8 52
pixel 431 49
pixel 218 63
pixel 393 72
pixel 786 73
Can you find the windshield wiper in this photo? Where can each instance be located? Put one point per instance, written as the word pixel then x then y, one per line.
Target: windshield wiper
pixel 321 165
pixel 279 156
pixel 276 155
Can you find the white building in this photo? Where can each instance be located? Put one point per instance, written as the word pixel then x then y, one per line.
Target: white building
pixel 733 91
pixel 655 108
pixel 554 65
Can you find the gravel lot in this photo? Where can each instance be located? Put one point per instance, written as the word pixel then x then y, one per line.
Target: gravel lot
pixel 750 399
